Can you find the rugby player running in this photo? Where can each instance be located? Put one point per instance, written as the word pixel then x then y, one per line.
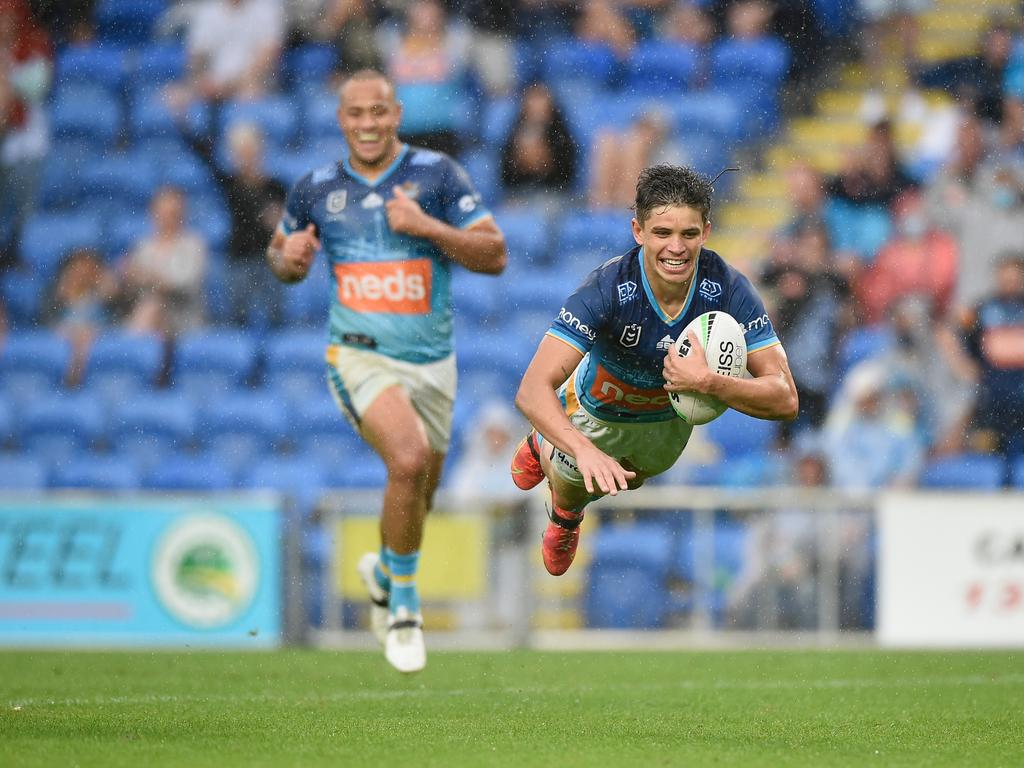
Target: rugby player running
pixel 596 391
pixel 390 219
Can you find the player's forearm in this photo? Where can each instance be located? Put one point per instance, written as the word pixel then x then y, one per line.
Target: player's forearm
pixel 766 397
pixel 275 259
pixel 477 249
pixel 542 408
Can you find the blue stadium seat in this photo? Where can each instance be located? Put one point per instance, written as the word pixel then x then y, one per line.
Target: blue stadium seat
pixel 152 425
pixel 484 168
pixel 307 67
pixel 158 63
pixel 242 426
pixel 572 60
pixel 1017 474
pixel 476 297
pixel 122 364
pixel 22 473
pixel 294 364
pixel 662 67
pixel 129 22
pixel 626 586
pixel 89 114
pixel 22 295
pixel 151 117
pixel 322 431
pixel 967 471
pixel 526 235
pixel 49 237
pixel 102 65
pixel 740 435
pixel 307 303
pixel 200 472
pixel 100 473
pixel 129 179
pixel 761 63
pixel 122 233
pixel 601 234
pixel 32 362
pixel 710 112
pixel 364 469
pixel 208 215
pixel 863 343
pixel 301 477
pixel 61 426
pixel 499 115
pixel 60 185
pixel 277 116
pixel 211 363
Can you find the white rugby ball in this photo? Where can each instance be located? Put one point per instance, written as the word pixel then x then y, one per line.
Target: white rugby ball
pixel 725 349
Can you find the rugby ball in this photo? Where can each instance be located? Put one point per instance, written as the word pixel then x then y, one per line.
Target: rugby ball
pixel 725 349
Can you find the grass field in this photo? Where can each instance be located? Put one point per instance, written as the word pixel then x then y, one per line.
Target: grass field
pixel 523 708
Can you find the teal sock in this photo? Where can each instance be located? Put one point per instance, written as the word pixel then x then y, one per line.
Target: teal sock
pixel 381 571
pixel 403 580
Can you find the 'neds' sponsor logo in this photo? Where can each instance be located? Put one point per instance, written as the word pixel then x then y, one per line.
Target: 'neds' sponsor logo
pixel 395 287
pixel 612 391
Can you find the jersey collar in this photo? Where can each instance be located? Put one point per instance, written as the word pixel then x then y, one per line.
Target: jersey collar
pixel 387 171
pixel 654 301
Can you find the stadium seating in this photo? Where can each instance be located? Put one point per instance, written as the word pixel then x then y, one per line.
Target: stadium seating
pixel 598 235
pixel 294 364
pixel 737 434
pixel 122 364
pixel 32 362
pixel 302 479
pixel 307 303
pixel 22 473
pixel 62 426
pixel 1017 472
pixel 241 426
pixel 276 116
pixel 127 22
pixel 152 426
pixel 863 343
pixel 626 579
pixel 862 229
pixel 966 471
pixel 210 363
pixel 575 61
pixel 660 67
pixel 90 114
pixel 98 473
pixel 49 237
pixel 320 430
pixel 103 65
pixel 189 472
pixel 157 63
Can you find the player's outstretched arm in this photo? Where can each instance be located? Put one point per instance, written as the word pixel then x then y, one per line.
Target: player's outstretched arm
pixel 770 394
pixel 290 256
pixel 479 248
pixel 552 364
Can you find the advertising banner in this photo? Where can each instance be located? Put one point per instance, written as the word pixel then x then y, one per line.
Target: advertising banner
pixel 171 571
pixel 951 570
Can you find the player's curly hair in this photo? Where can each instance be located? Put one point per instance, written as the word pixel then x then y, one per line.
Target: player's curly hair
pixel 664 185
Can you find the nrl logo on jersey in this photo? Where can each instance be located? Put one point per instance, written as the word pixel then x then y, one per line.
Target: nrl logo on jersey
pixel 709 289
pixel 336 201
pixel 411 189
pixel 630 335
pixel 626 291
pixel 665 343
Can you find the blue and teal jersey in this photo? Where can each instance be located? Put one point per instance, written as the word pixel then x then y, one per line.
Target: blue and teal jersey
pixel 614 320
pixel 390 292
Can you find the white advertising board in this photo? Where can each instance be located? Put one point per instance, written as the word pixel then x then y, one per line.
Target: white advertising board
pixel 951 570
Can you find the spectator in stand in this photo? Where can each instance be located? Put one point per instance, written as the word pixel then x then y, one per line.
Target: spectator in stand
pixel 163 277
pixel 976 81
pixel 689 23
pixel 492 49
pixel 233 49
pixel 806 195
pixel 538 159
pixel 482 469
pixel 348 25
pixel 986 224
pixel 995 339
pixel 26 68
pixel 622 154
pixel 428 62
pixel 955 181
pixel 871 436
pixel 873 173
pixel 1008 144
pixel 919 259
pixel 78 306
pixel 601 21
pixel 255 202
pixel 886 20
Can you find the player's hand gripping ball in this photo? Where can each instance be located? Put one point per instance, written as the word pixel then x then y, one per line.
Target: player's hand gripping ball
pixel 726 353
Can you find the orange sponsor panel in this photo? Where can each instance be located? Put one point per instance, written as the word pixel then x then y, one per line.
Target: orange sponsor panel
pixel 392 287
pixel 608 389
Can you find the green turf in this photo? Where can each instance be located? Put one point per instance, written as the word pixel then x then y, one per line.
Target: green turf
pixel 310 708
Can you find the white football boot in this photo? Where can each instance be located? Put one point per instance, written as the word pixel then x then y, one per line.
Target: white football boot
pixel 404 648
pixel 379 614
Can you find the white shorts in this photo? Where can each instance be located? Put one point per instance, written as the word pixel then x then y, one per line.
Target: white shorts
pixel 648 448
pixel 357 376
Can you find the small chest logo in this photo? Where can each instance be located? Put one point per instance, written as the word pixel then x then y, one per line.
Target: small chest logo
pixel 630 335
pixel 627 291
pixel 372 200
pixel 467 203
pixel 665 343
pixel 709 289
pixel 336 201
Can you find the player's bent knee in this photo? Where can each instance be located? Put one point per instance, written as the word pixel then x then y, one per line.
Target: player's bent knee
pixel 412 462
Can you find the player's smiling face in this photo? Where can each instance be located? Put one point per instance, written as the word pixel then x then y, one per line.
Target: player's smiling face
pixel 672 237
pixel 368 115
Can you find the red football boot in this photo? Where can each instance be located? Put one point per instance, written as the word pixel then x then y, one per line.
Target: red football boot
pixel 526 470
pixel 561 537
